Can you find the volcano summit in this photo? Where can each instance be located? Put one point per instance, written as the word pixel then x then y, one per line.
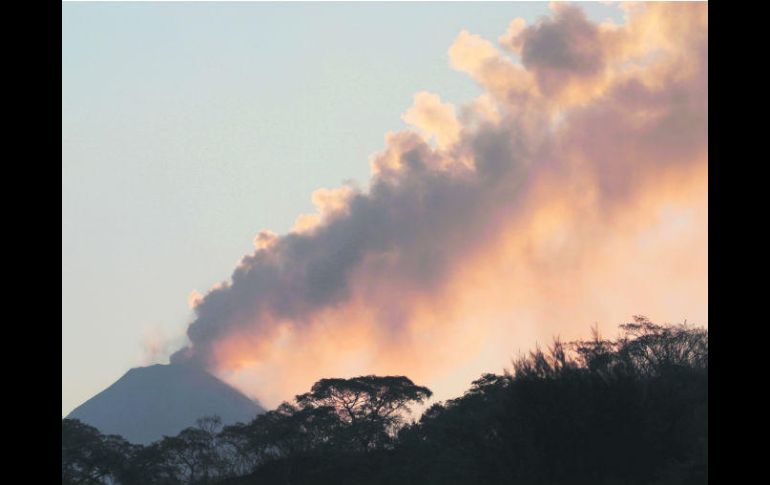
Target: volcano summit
pixel 148 403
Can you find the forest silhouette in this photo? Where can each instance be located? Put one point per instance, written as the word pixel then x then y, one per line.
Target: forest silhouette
pixel 630 410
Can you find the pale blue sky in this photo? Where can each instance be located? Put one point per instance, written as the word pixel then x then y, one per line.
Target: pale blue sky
pixel 189 127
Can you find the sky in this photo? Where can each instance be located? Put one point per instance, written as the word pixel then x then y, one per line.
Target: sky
pixel 187 129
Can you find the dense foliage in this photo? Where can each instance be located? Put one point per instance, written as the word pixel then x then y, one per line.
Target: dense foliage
pixel 628 411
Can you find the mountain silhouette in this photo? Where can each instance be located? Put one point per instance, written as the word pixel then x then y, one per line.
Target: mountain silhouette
pixel 148 403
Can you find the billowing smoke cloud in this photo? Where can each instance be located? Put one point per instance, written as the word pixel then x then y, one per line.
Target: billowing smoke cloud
pixel 559 50
pixel 572 191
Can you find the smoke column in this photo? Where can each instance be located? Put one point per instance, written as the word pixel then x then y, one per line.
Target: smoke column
pixel 571 192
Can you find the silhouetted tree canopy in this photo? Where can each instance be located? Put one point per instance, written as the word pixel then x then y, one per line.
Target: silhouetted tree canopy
pixel 91 457
pixel 370 408
pixel 633 410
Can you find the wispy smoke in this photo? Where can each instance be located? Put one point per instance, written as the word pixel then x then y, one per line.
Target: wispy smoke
pixel 572 190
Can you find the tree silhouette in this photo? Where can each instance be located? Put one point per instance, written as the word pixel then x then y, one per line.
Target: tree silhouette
pixel 90 457
pixel 633 410
pixel 371 407
pixel 194 452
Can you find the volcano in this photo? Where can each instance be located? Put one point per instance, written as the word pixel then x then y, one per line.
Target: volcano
pixel 148 403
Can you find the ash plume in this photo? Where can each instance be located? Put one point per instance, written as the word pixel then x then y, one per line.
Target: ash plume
pixel 571 190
